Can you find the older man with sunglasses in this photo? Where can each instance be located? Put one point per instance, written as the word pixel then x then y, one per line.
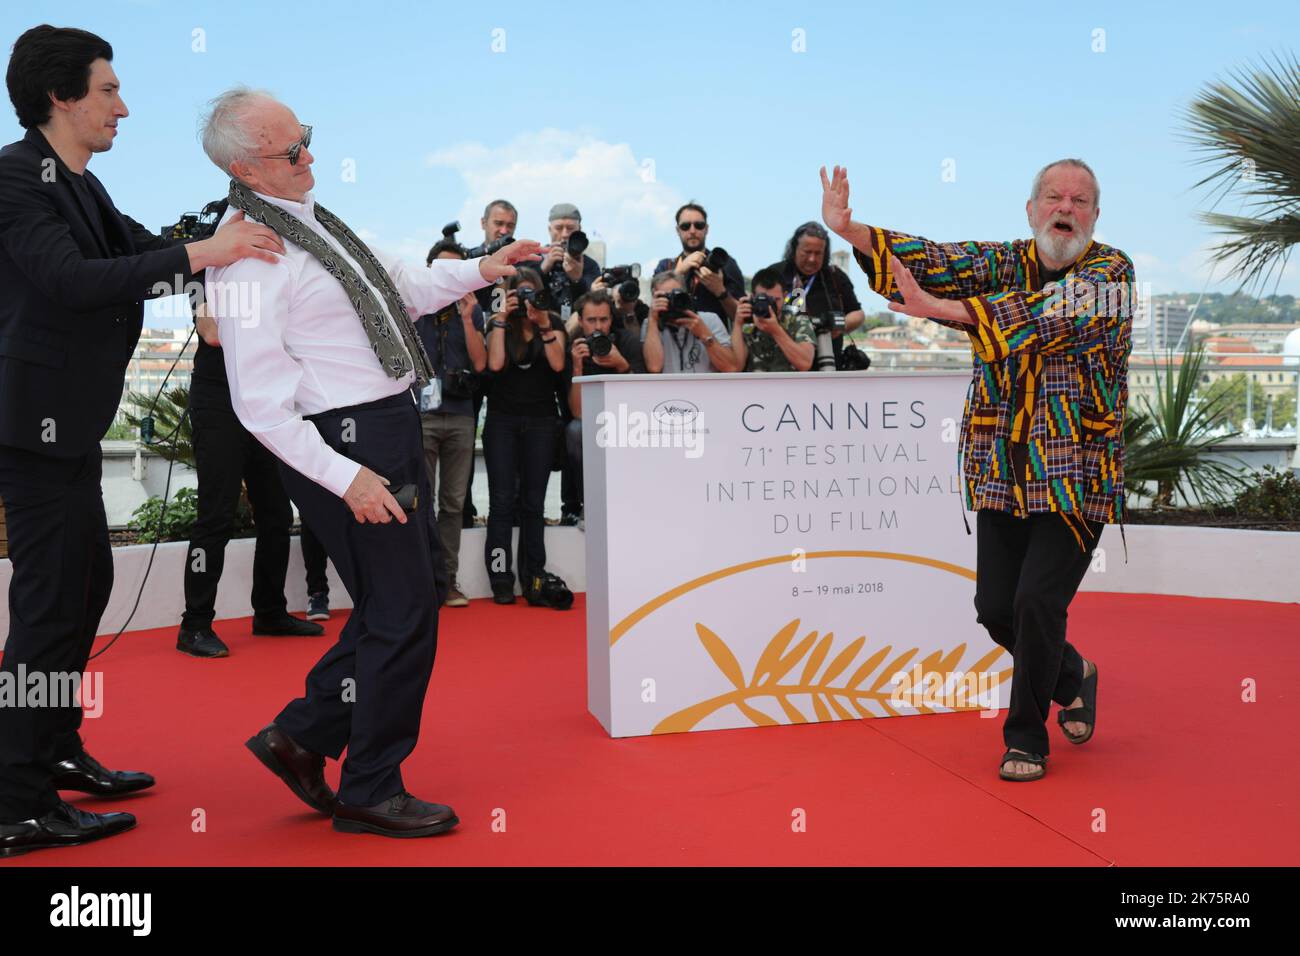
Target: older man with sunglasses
pixel 322 356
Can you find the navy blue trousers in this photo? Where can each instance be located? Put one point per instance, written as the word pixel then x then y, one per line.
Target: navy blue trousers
pixel 366 694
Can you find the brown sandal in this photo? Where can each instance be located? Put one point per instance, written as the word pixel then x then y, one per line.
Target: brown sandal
pixel 1014 755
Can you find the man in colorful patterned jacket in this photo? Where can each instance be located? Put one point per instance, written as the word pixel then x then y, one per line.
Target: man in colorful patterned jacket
pixel 1042 454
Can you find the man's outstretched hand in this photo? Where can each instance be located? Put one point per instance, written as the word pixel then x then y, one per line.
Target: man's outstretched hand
pixel 501 263
pixel 835 200
pixel 918 302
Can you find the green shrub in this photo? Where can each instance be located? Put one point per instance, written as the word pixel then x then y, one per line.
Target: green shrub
pixel 150 524
pixel 1274 495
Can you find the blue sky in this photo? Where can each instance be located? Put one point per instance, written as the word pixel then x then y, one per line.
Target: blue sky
pixel 629 110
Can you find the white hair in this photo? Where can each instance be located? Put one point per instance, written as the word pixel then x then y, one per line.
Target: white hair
pixel 224 130
pixel 1078 164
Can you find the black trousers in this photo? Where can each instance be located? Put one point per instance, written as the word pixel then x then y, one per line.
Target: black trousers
pixel 227 456
pixel 62 579
pixel 571 491
pixel 367 692
pixel 518 451
pixel 314 558
pixel 1027 572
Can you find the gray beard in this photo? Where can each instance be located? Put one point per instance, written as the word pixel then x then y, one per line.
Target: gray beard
pixel 1062 248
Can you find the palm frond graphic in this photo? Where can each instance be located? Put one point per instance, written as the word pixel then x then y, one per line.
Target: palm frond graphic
pixel 829 700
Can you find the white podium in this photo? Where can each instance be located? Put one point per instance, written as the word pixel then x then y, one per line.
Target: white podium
pixel 772 548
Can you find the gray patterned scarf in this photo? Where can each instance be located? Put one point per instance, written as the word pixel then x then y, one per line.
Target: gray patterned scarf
pixel 397 357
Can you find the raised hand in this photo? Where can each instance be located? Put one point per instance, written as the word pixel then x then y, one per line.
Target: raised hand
pixel 919 303
pixel 835 200
pixel 501 263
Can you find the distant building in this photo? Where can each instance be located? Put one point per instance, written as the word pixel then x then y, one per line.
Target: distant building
pixel 1158 325
pixel 152 361
pixel 1264 337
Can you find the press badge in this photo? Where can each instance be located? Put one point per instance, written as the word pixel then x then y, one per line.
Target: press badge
pixel 431 395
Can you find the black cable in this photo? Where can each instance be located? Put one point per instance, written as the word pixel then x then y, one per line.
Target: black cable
pixel 162 514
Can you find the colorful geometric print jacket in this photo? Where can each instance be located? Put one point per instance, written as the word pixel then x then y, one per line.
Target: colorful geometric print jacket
pixel 1042 428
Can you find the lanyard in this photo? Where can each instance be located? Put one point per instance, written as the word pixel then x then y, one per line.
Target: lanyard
pixel 681 348
pixel 801 292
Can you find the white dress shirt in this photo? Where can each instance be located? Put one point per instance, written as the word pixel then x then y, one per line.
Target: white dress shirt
pixel 294 345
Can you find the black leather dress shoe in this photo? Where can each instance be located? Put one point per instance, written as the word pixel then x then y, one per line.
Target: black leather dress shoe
pixel 86 774
pixel 400 816
pixel 302 770
pixel 65 825
pixel 287 626
pixel 201 643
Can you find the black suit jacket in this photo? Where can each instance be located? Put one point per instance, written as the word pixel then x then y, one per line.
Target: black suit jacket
pixel 71 301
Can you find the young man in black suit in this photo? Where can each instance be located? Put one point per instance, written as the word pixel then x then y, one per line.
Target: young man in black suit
pixel 75 272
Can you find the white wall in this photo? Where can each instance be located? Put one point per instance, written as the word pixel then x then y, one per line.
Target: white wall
pixel 1196 562
pixel 164 596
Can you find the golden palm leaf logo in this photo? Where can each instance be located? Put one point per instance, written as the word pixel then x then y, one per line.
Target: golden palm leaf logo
pixel 830 701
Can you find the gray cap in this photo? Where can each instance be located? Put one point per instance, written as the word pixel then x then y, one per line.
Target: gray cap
pixel 564 210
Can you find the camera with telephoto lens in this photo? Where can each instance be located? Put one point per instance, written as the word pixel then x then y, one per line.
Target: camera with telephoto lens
pixel 487 248
pixel 576 244
pixel 829 322
pixel 599 343
pixel 196 225
pixel 716 259
pixel 537 297
pixel 679 303
pixel 624 279
pixel 824 326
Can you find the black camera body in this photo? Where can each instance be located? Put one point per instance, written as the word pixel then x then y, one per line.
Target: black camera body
pixel 599 343
pixel 624 280
pixel 538 297
pixel 716 259
pixel 487 248
pixel 679 303
pixel 576 244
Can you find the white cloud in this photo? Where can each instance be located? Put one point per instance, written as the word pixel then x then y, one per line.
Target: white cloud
pixel 616 191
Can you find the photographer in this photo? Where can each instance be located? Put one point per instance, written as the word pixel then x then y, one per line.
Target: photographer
pixel 712 277
pixel 624 287
pixel 598 349
pixel 807 274
pixel 526 356
pixel 499 221
pixel 566 268
pixel 674 338
pixel 780 338
pixel 453 339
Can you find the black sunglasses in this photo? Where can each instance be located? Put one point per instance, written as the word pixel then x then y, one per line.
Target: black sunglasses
pixel 699 224
pixel 295 149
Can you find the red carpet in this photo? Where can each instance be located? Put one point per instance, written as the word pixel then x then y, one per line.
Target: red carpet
pixel 1182 770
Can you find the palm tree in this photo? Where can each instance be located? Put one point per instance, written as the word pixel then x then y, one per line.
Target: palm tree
pixel 1168 444
pixel 169 414
pixel 1249 133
